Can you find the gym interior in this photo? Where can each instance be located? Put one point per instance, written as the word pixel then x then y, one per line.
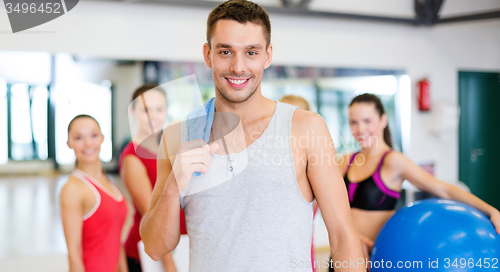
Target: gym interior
pixel 434 64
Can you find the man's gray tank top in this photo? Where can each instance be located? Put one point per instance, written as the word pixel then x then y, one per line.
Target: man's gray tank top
pixel 247 212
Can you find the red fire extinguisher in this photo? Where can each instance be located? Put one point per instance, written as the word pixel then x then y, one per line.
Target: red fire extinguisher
pixel 424 95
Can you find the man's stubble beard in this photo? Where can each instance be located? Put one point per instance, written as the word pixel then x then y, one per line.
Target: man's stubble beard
pixel 236 101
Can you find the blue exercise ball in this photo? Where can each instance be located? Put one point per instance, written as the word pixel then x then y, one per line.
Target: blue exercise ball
pixel 437 235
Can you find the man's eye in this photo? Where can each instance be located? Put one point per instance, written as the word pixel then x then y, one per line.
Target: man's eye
pixel 252 53
pixel 225 52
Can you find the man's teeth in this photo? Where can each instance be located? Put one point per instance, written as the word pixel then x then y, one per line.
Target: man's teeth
pixel 237 82
pixel 88 152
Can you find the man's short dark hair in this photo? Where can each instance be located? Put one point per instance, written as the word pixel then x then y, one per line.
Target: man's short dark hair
pixel 242 11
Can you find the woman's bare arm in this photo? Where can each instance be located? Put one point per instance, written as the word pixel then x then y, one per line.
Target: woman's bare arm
pixel 71 198
pixel 135 176
pixel 428 183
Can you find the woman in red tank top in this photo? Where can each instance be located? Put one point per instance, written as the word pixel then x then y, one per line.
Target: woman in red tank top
pixel 93 210
pixel 137 164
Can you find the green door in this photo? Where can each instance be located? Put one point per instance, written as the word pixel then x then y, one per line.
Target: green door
pixel 479 134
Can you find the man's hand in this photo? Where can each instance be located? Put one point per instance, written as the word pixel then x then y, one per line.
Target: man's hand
pixel 160 226
pixel 193 156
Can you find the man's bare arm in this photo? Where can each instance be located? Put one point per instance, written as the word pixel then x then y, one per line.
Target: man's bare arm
pixel 160 230
pixel 329 189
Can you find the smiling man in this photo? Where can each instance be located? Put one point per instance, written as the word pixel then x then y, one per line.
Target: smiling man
pixel 260 218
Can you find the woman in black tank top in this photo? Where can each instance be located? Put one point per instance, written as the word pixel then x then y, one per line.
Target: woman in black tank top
pixel 371 196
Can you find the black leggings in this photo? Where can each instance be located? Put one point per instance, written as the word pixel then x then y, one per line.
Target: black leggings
pixel 330 267
pixel 133 265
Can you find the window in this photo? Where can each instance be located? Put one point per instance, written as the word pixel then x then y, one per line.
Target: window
pixel 27 132
pixel 39 110
pixel 28 122
pixel 4 149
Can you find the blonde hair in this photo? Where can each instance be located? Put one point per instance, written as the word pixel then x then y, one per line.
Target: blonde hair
pixel 295 100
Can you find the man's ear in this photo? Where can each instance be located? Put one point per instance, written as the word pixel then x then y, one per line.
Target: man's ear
pixel 206 55
pixel 269 55
pixel 69 145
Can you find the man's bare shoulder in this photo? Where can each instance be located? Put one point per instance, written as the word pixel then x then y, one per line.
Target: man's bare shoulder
pixel 310 132
pixel 307 121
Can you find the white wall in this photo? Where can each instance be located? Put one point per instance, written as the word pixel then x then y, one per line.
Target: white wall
pixel 143 31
